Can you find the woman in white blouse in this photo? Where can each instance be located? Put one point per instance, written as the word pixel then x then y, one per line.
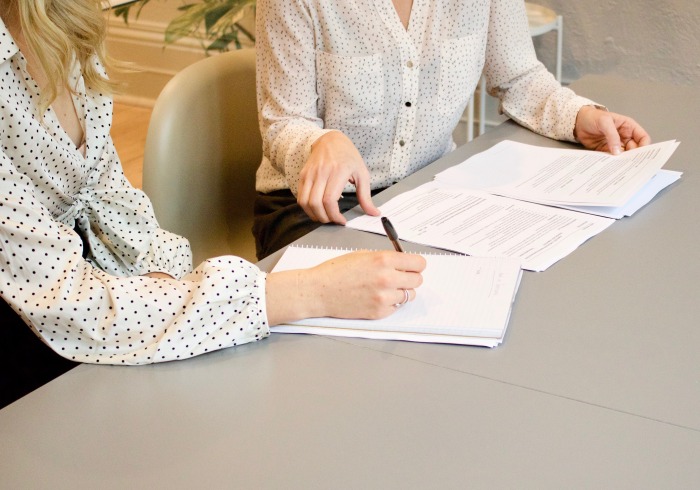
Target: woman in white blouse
pixel 354 96
pixel 84 263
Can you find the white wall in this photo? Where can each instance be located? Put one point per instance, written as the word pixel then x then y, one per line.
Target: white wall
pixel 655 40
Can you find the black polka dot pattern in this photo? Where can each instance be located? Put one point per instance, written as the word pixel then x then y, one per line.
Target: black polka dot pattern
pixel 100 309
pixel 396 93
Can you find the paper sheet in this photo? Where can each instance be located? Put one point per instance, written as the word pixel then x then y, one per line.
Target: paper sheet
pixel 481 224
pixel 557 176
pixel 660 181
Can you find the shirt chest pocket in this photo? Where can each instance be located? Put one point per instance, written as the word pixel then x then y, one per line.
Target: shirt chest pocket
pixel 351 89
pixel 461 62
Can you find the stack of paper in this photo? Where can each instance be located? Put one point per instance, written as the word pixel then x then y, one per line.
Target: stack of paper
pixel 491 205
pixel 463 300
pixel 587 181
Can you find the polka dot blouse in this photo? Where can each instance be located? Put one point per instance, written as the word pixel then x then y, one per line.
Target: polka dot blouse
pixel 396 93
pixel 99 308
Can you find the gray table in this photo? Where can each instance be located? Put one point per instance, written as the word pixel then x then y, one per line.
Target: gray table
pixel 597 384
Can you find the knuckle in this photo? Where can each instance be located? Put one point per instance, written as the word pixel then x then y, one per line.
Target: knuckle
pixel 383 281
pixel 382 259
pixel 379 298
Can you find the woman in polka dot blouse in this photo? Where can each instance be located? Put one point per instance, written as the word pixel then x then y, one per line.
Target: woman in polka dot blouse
pixel 83 260
pixel 354 96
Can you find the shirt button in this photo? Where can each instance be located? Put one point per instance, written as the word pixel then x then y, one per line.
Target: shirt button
pixel 402 142
pixel 409 64
pixel 408 104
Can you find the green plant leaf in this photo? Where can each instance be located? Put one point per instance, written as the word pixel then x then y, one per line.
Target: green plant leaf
pixel 213 15
pixel 216 22
pixel 125 10
pixel 186 23
pixel 222 43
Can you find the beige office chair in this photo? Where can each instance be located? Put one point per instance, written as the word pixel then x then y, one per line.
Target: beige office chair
pixel 202 150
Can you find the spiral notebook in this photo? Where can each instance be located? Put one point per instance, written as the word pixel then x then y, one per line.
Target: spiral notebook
pixel 463 300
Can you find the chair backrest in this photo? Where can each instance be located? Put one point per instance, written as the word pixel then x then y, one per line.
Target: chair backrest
pixel 202 150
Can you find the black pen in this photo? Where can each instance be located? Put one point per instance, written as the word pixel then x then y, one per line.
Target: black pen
pixel 391 233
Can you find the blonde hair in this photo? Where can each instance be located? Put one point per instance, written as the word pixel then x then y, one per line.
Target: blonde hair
pixel 55 30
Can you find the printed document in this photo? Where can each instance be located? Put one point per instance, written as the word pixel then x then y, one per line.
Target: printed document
pixel 563 177
pixel 481 224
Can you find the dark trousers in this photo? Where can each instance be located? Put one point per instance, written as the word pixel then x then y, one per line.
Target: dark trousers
pixel 279 220
pixel 26 362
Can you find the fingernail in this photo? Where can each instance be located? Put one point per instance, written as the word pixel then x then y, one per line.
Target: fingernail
pixel 616 150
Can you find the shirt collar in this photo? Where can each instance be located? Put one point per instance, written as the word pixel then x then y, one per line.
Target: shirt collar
pixel 8 47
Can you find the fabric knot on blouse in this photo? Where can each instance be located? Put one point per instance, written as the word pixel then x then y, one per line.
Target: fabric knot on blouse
pixel 120 220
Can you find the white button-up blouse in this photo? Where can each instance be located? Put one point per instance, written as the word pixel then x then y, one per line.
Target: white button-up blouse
pixel 99 308
pixel 396 93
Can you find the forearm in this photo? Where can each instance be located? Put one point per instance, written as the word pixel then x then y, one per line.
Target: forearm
pixel 286 79
pixel 528 92
pixel 538 102
pixel 290 297
pixel 98 318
